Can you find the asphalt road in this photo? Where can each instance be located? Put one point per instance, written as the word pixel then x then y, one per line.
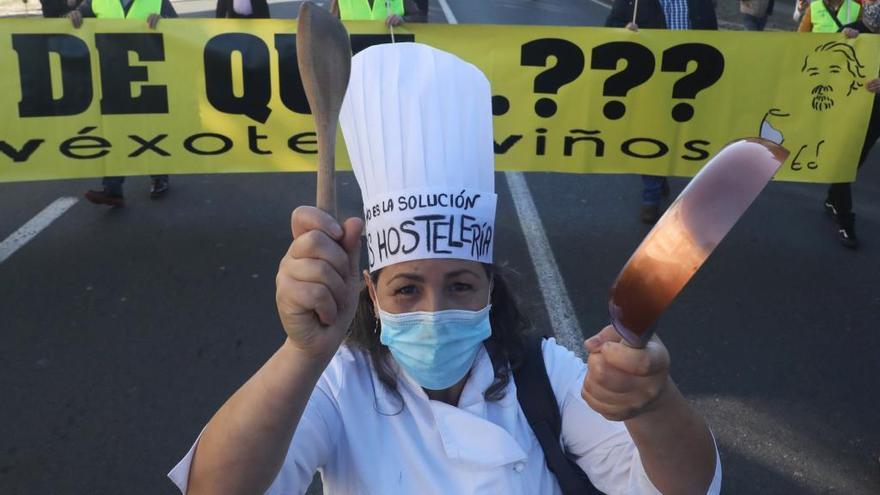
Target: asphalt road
pixel 124 330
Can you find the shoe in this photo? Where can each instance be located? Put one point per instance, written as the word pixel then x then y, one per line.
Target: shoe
pixel 104 198
pixel 830 208
pixel 158 188
pixel 650 214
pixel 847 231
pixel 664 190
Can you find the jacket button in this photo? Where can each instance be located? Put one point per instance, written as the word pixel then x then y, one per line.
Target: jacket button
pixel 518 467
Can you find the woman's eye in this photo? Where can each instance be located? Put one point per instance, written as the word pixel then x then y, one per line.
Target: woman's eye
pixel 406 290
pixel 461 287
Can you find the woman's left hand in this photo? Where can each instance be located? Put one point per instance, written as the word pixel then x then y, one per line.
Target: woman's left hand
pixel 873 85
pixel 623 382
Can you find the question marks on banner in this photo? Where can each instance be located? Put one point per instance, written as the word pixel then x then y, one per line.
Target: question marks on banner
pixel 710 66
pixel 569 65
pixel 639 68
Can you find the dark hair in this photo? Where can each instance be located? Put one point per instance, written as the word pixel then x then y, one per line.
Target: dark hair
pixel 505 345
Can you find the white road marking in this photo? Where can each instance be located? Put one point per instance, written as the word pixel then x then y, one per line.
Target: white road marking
pixel 556 301
pixel 34 226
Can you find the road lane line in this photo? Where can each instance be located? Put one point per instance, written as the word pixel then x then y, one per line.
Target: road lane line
pixel 556 301
pixel 34 226
pixel 562 316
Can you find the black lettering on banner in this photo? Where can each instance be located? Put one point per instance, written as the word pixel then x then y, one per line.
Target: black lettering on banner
pixel 254 141
pixel 639 68
pixel 35 75
pixel 569 64
pixel 190 143
pixel 117 75
pixel 24 153
pixel 541 142
pixel 627 145
pixel 598 143
pixel 297 140
pixel 293 95
pixel 83 142
pixel 701 154
pixel 151 145
pixel 710 67
pixel 257 84
pixel 504 146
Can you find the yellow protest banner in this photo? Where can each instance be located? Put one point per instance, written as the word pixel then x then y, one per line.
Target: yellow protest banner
pixel 212 96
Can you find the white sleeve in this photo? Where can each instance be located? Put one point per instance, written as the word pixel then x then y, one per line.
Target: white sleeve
pixel 603 449
pixel 310 448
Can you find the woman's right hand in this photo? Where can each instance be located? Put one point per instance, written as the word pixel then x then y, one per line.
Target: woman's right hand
pixel 318 281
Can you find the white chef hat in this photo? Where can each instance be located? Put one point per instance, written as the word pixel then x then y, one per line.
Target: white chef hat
pixel 417 123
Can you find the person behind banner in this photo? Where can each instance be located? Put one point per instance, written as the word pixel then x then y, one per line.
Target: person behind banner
pixel 755 13
pixel 144 10
pixel 57 8
pixel 838 202
pixel 660 14
pixel 394 12
pixel 242 9
pixel 403 378
pixel 829 16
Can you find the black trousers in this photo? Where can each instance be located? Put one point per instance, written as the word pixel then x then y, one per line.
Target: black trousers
pixel 840 194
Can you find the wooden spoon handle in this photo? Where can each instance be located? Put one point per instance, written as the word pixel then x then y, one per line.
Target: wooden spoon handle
pixel 326 199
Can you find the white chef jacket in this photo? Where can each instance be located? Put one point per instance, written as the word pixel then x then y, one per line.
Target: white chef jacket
pixel 350 433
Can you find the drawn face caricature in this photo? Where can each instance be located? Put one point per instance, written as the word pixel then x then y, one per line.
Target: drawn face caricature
pixel 834 72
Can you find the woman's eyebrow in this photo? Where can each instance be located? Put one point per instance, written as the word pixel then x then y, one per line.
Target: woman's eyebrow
pixel 409 276
pixel 460 272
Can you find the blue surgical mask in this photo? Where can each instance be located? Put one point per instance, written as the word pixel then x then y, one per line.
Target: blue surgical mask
pixel 436 348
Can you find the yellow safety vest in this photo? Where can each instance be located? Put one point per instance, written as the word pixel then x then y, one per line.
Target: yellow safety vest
pixel 112 9
pixel 360 10
pixel 822 20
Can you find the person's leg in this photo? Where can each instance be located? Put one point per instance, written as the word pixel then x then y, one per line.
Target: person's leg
pixel 113 185
pixel 109 194
pixel 652 191
pixel 750 22
pixel 762 23
pixel 158 186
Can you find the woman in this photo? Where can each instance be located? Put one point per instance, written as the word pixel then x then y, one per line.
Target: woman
pixel 405 385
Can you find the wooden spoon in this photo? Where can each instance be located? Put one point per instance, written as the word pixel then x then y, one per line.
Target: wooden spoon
pixel 323 51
